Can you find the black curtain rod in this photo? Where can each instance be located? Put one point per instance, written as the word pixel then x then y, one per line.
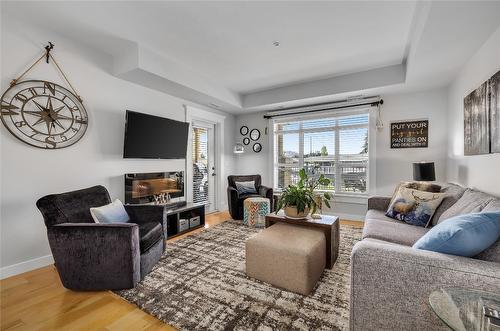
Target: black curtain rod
pixel 372 104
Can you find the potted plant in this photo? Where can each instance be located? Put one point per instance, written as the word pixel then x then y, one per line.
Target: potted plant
pixel 298 200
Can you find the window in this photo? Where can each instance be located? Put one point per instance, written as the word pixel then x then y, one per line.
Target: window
pixel 336 146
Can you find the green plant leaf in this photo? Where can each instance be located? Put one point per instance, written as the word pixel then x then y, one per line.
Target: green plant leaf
pixel 302 174
pixel 303 195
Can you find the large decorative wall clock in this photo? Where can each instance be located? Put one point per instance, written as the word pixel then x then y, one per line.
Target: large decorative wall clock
pixel 43 114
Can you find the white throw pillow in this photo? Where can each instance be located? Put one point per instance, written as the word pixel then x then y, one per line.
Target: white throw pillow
pixel 110 213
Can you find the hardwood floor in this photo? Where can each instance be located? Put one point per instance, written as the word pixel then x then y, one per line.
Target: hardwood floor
pixel 36 300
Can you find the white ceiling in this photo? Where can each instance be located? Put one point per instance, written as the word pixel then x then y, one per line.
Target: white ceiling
pixel 230 44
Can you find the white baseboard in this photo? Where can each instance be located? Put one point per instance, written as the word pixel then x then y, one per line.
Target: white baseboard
pixel 19 268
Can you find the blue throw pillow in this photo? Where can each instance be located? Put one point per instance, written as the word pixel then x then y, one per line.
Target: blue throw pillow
pixel 463 235
pixel 111 213
pixel 246 187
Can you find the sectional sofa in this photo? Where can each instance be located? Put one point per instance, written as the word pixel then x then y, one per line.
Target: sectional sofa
pixel 391 281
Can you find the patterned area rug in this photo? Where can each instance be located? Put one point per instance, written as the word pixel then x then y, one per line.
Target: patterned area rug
pixel 200 284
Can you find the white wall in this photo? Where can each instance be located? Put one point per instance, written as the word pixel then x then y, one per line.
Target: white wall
pixel 250 162
pixel 395 165
pixel 28 173
pixel 392 165
pixel 478 171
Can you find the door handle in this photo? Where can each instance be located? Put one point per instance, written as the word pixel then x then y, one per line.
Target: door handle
pixel 214 174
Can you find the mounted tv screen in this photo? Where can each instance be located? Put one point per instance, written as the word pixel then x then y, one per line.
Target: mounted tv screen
pixel 154 137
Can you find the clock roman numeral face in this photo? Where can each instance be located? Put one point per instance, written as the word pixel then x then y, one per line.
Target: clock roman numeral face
pixel 21 97
pixel 8 109
pixel 43 114
pixel 50 87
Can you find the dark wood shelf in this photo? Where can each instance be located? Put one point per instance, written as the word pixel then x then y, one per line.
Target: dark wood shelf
pixel 171 218
pixel 172 214
pixel 185 231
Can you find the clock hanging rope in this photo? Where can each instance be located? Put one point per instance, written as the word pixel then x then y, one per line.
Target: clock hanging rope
pixel 41 113
pixel 48 56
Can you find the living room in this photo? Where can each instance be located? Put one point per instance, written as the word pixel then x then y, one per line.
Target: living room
pixel 341 115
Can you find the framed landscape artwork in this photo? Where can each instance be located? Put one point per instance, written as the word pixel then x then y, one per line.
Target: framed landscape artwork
pixel 482 118
pixel 495 112
pixel 476 122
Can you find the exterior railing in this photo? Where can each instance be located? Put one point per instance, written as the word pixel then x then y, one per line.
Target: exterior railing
pixel 352 173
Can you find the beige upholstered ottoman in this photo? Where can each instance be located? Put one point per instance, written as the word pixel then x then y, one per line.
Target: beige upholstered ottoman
pixel 287 256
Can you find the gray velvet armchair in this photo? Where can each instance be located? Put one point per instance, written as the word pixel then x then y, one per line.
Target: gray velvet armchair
pixel 99 256
pixel 235 200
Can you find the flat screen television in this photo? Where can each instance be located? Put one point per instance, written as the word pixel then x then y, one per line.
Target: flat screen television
pixel 154 137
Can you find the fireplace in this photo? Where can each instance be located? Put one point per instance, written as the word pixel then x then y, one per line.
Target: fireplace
pixel 155 187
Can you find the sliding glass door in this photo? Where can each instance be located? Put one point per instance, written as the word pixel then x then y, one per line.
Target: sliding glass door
pixel 203 165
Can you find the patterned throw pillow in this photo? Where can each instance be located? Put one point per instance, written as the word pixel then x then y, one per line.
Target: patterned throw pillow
pixel 413 206
pixel 421 186
pixel 246 187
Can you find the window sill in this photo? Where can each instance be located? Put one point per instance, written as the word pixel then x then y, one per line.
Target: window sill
pixel 360 199
pixel 343 197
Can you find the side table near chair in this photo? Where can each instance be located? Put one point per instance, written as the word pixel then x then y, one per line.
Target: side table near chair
pixel 255 211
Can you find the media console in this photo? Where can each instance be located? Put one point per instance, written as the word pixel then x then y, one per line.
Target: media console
pixel 183 219
pixel 176 219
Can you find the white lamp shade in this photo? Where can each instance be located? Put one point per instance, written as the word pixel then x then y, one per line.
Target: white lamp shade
pixel 238 148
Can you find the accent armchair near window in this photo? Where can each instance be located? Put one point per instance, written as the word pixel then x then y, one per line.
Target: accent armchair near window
pixel 101 256
pixel 235 200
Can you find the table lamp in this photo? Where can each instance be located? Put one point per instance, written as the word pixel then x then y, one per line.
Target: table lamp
pixel 424 171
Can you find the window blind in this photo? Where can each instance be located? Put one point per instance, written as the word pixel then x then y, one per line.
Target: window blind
pixel 333 145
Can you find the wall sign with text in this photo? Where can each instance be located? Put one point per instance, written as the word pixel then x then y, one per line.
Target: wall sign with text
pixel 410 134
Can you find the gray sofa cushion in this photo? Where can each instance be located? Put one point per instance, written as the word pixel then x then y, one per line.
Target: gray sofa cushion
pixel 379 203
pixel 453 194
pixel 396 232
pixel 390 284
pixel 493 205
pixel 491 254
pixel 472 201
pixel 375 214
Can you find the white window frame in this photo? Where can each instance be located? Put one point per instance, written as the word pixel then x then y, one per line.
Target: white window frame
pixel 341 196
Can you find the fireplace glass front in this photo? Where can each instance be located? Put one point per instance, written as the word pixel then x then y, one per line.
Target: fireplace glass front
pixel 159 187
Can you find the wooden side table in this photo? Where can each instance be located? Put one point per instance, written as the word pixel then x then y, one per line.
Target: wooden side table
pixel 329 225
